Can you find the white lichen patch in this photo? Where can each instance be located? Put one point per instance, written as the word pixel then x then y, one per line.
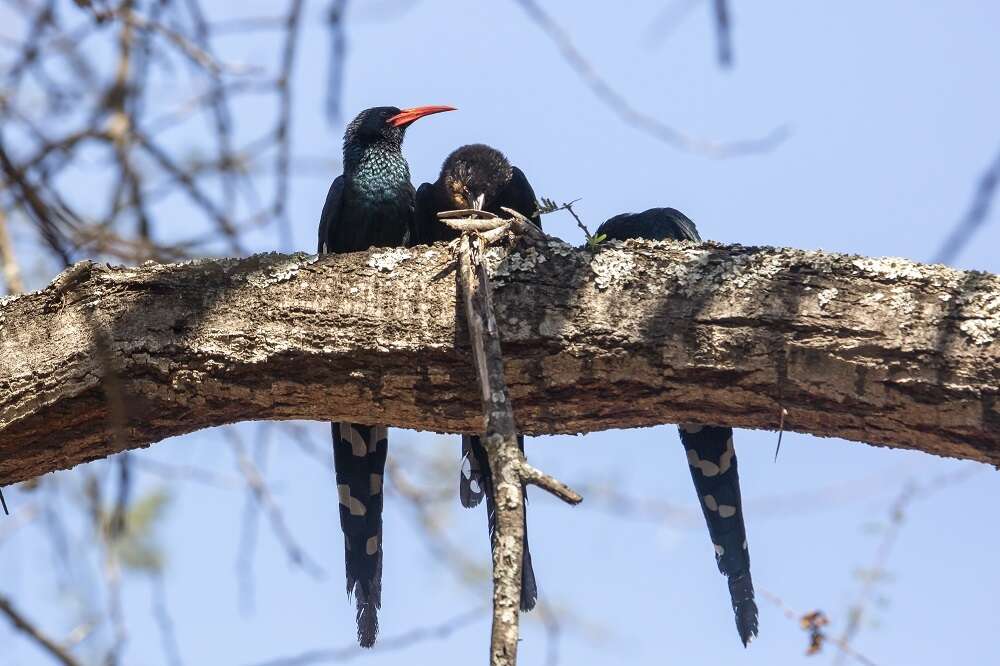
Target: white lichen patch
pixel 281 270
pixel 387 260
pixel 612 267
pixel 892 268
pixel 903 303
pixel 985 328
pixel 980 331
pixel 824 297
pixel 513 263
pixel 559 248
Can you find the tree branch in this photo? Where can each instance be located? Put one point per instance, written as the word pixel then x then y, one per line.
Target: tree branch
pixel 25 626
pixel 507 464
pixel 627 335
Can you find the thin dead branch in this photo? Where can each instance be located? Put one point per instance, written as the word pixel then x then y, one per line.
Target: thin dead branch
pixel 36 635
pixel 975 217
pixel 509 469
pixel 628 113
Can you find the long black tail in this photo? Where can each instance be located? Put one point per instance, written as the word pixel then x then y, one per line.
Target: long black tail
pixel 712 458
pixel 359 460
pixel 475 483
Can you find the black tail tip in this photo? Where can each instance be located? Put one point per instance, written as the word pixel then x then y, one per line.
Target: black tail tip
pixel 529 588
pixel 746 621
pixel 367 624
pixel 741 592
pixel 528 599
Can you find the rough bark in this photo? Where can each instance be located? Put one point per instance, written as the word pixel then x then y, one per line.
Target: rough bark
pixel 876 350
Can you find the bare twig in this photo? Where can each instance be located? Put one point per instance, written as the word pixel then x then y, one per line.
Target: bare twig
pixel 26 627
pixel 668 19
pixel 550 206
pixel 407 639
pixel 440 547
pixel 975 217
pixel 164 621
pixel 632 116
pixel 335 18
pixel 723 32
pixel 282 132
pixel 810 623
pixel 8 260
pixel 897 517
pixel 507 464
pixel 258 487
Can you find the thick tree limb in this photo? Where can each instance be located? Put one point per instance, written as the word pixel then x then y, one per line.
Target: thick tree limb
pixel 877 350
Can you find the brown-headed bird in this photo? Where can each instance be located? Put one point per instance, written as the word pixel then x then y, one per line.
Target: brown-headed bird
pixel 710 453
pixel 370 205
pixel 479 177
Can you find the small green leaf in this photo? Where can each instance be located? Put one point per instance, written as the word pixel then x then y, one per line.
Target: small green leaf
pixel 594 241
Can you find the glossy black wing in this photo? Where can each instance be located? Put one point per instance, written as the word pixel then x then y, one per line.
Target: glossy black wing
pixel 519 195
pixel 428 229
pixel 328 218
pixel 652 224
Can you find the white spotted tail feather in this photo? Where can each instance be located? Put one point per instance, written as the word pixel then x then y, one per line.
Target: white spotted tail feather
pixel 712 459
pixel 475 483
pixel 359 453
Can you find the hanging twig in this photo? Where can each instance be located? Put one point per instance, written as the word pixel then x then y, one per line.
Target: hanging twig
pixel 510 470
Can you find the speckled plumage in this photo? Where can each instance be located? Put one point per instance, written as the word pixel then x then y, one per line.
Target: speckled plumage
pixel 710 450
pixel 371 205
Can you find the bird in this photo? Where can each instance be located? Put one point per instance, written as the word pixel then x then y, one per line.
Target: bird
pixel 370 205
pixel 480 177
pixel 710 451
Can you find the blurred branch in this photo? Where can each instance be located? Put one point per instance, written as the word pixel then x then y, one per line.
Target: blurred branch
pixel 668 19
pixel 813 623
pixel 165 622
pixel 99 113
pixel 283 131
pixel 897 518
pixel 262 494
pixel 631 115
pixel 723 32
pixel 974 218
pixel 26 627
pixel 8 260
pixel 405 640
pixel 336 18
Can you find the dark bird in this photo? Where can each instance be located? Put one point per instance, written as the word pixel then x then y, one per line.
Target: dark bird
pixel 710 451
pixel 479 177
pixel 370 205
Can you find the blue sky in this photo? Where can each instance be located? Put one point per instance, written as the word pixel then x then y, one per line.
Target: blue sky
pixel 893 108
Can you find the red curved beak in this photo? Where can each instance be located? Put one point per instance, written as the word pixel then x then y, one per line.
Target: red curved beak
pixel 407 116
